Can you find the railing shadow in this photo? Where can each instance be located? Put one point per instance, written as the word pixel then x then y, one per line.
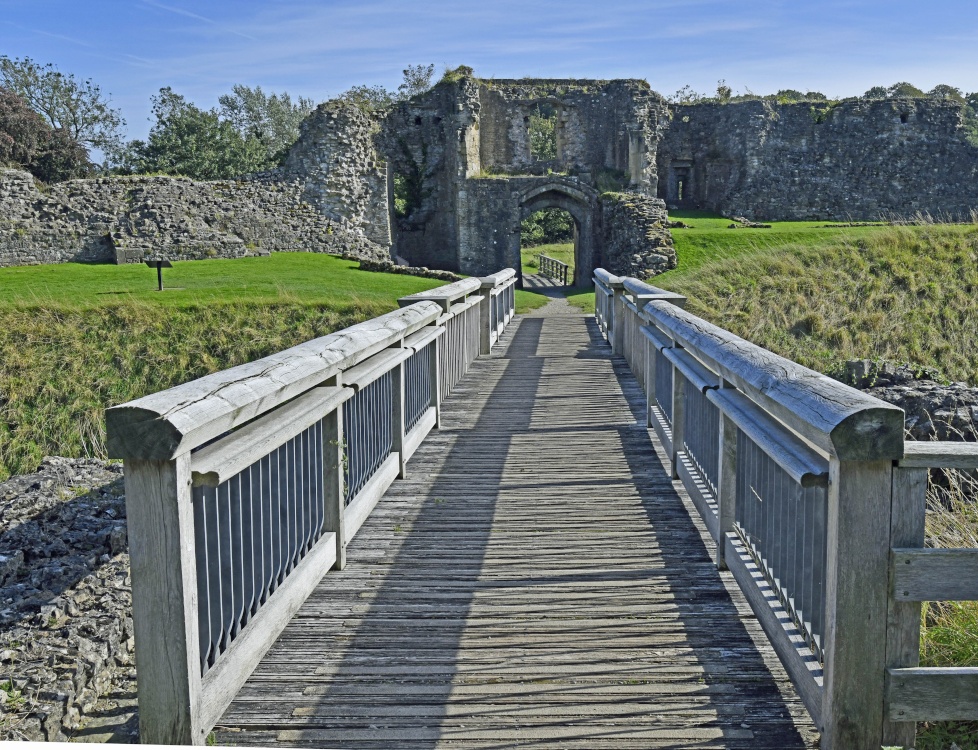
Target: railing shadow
pixel 393 664
pixel 713 626
pixel 419 596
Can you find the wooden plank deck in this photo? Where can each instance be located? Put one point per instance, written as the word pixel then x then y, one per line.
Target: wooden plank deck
pixel 536 580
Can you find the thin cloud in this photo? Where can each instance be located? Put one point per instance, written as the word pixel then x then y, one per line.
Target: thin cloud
pixel 197 17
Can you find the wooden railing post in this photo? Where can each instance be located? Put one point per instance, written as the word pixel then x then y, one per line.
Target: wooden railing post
pixel 163 566
pixel 727 482
pixel 486 318
pixel 678 417
pixel 334 492
pixel 907 514
pixel 617 317
pixel 397 384
pixel 435 375
pixel 856 594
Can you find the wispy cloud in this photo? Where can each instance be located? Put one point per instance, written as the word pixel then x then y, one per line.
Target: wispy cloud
pixel 197 17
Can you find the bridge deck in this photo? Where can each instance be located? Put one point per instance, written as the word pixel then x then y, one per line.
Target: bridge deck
pixel 536 580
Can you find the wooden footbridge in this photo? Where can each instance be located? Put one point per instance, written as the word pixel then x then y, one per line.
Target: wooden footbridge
pixel 454 527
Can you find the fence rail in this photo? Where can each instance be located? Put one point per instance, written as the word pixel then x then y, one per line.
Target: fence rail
pixel 553 268
pixel 816 506
pixel 244 487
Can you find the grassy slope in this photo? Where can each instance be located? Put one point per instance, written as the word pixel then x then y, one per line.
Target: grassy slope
pixel 709 239
pixel 900 293
pixel 77 338
pixel 563 252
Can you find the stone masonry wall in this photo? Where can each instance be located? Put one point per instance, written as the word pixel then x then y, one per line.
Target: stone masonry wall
pixel 859 159
pixel 127 219
pixel 635 238
pixel 342 175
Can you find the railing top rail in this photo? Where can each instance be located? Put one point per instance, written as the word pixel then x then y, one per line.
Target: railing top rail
pixel 609 280
pixel 841 420
pixel 498 279
pixel 165 424
pixel 554 260
pixel 643 291
pixel 444 295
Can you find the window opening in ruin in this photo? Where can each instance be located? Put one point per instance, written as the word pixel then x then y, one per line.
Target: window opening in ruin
pixel 679 190
pixel 550 232
pixel 904 117
pixel 541 126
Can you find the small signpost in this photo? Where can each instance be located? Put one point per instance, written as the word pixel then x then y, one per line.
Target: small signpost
pixel 159 265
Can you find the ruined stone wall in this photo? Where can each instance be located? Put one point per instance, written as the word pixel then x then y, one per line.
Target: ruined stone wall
pixel 430 143
pixel 127 219
pixel 489 220
pixel 860 159
pixel 342 174
pixel 635 238
pixel 603 128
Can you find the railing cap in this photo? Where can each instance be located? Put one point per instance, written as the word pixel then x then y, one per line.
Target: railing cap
pixel 166 424
pixel 847 423
pixel 642 291
pixel 444 295
pixel 497 279
pixel 609 280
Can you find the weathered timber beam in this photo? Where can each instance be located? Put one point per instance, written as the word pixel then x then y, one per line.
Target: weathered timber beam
pixel 935 454
pixel 934 575
pixel 166 424
pixel 444 295
pixel 841 420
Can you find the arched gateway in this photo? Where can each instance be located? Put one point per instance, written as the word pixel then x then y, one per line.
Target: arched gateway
pixel 581 202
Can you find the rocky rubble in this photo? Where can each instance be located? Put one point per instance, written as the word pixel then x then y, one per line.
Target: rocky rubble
pixel 636 240
pixel 66 633
pixel 389 267
pixel 934 411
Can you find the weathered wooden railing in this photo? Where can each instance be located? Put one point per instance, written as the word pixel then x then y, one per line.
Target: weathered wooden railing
pixel 244 487
pixel 553 268
pixel 816 506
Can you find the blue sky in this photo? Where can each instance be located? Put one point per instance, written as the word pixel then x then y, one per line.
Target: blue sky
pixel 319 49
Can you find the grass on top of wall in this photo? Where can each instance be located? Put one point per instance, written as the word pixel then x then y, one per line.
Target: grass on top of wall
pixel 75 339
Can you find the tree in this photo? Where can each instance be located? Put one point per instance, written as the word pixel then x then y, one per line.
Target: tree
pixel 62 158
pixel 271 119
pixel 685 95
pixel 946 93
pixel 76 106
pixel 724 92
pixel 903 90
pixel 369 98
pixel 23 131
pixel 542 129
pixel 417 80
pixel 28 142
pixel 787 96
pixel 877 92
pixel 189 141
pixel 815 96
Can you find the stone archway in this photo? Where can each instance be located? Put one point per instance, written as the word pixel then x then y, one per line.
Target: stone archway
pixel 581 202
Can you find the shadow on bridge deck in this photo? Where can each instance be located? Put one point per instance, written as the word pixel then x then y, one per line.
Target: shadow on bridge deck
pixel 536 580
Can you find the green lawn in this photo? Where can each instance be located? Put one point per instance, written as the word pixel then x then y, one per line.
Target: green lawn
pixel 304 278
pixel 563 252
pixel 709 239
pixel 75 339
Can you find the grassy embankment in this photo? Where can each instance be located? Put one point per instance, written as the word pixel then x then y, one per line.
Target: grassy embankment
pixel 75 339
